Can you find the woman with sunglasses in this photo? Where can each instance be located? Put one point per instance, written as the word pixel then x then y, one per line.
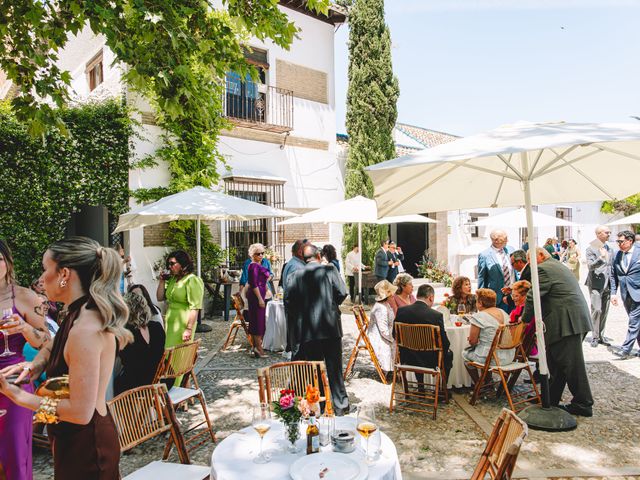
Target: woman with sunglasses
pixel 258 276
pixel 183 292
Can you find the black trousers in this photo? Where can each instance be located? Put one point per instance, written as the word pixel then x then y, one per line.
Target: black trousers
pixel 567 368
pixel 330 351
pixel 351 280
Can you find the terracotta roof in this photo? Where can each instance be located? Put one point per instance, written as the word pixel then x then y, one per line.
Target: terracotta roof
pixel 424 136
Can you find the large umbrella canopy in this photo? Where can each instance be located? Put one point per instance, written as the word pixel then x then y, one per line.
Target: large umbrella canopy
pixel 514 164
pixel 518 218
pixel 630 220
pixel 197 203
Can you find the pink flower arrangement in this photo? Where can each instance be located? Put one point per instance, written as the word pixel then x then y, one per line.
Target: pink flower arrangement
pixel 287 401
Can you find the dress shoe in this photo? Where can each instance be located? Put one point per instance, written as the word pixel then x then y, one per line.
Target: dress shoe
pixel 594 343
pixel 604 342
pixel 621 354
pixel 574 409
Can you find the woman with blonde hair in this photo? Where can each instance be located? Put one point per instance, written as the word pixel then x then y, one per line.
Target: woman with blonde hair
pixel 85 277
pixel 404 293
pixel 257 278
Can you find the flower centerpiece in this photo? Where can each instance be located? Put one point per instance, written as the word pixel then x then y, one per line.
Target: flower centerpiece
pixel 449 302
pixel 310 402
pixel 286 408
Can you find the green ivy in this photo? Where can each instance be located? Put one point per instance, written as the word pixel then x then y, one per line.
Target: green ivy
pixel 46 179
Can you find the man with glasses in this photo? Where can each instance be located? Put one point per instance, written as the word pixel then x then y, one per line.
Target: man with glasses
pixel 625 273
pixel 599 259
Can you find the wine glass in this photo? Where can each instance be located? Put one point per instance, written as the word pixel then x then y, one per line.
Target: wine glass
pixel 366 426
pixel 6 314
pixel 461 309
pixel 261 424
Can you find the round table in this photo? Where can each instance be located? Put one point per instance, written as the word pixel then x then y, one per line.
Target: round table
pixel 233 457
pixel 275 335
pixel 458 376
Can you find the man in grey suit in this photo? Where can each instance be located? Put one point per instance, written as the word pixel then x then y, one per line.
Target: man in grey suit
pixel 314 295
pixel 599 259
pixel 566 318
pixel 625 273
pixel 382 262
pixel 495 271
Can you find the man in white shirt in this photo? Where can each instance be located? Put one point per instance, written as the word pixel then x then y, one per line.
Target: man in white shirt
pixel 353 264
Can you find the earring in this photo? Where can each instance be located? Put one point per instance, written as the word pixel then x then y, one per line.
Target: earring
pixel 62 283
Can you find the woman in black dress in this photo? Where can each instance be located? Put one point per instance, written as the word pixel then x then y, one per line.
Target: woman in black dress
pixel 140 358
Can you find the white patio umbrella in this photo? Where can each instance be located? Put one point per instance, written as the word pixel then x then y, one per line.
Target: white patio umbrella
pixel 198 203
pixel 532 162
pixel 630 220
pixel 518 218
pixel 358 210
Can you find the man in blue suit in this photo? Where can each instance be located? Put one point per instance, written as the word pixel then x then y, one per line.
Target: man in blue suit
pixel 625 273
pixel 382 261
pixel 495 270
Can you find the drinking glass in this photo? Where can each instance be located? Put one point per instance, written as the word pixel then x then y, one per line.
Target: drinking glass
pixel 366 426
pixel 261 424
pixel 6 313
pixel 461 309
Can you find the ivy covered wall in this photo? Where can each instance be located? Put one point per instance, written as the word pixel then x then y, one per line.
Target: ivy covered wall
pixel 44 180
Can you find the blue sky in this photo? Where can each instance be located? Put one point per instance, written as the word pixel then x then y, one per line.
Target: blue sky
pixel 466 66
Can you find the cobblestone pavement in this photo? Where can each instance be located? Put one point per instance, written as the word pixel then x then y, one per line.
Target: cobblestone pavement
pixel 611 438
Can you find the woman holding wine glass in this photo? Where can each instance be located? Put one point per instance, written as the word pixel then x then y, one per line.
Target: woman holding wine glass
pixel 22 321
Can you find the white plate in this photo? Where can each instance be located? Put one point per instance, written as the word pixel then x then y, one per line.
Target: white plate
pixel 338 467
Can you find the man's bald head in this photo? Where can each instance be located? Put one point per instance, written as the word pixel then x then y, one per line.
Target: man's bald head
pixel 603 233
pixel 311 253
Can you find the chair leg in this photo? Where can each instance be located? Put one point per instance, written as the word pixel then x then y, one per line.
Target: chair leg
pixel 435 400
pixel 393 389
pixel 478 387
pixel 228 340
pixel 206 417
pixel 352 359
pixel 505 387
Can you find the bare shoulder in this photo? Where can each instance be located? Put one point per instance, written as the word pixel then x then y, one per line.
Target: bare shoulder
pixel 88 327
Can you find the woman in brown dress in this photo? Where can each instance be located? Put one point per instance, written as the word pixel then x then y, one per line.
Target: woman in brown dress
pixel 84 276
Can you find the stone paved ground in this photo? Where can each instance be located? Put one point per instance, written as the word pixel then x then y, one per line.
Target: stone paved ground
pixel 451 443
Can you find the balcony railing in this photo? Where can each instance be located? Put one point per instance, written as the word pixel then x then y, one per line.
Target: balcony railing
pixel 254 105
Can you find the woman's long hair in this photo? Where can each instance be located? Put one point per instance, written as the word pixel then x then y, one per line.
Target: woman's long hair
pixel 139 311
pixel 8 261
pixel 99 270
pixel 145 293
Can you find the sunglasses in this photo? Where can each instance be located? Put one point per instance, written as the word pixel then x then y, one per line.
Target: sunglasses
pixel 259 253
pixel 171 264
pixel 621 241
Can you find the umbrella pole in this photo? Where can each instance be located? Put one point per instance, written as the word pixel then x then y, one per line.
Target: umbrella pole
pixel 543 417
pixel 359 269
pixel 202 327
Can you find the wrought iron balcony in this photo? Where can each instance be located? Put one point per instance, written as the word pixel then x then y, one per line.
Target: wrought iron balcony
pixel 255 105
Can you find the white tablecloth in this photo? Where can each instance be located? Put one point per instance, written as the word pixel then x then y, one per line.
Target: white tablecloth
pixel 458 377
pixel 275 335
pixel 233 457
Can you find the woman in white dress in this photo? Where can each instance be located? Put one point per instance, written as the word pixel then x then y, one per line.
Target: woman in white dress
pixel 381 325
pixel 484 325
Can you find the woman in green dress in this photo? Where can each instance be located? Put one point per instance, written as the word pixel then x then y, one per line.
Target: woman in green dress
pixel 183 292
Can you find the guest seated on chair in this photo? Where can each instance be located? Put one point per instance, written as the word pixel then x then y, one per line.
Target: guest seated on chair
pixel 422 312
pixel 519 292
pixel 404 295
pixel 381 325
pixel 484 325
pixel 462 295
pixel 140 359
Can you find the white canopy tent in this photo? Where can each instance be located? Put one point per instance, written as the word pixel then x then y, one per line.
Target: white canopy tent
pixel 198 203
pixel 630 220
pixel 518 218
pixel 358 210
pixel 534 163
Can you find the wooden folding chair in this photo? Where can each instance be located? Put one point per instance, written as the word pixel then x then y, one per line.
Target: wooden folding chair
pixel 238 323
pixel 363 343
pixel 294 376
pixel 508 336
pixel 179 361
pixel 503 446
pixel 414 396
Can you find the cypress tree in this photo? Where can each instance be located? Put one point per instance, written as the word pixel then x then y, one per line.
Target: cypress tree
pixel 371 111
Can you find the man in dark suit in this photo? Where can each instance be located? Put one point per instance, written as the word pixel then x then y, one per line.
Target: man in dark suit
pixel 599 259
pixel 566 317
pixel 395 256
pixel 382 262
pixel 625 273
pixel 421 312
pixel 314 295
pixel 494 268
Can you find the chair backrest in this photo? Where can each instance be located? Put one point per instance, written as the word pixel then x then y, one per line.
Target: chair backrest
pixel 139 414
pixel 503 446
pixel 510 335
pixel 293 376
pixel 177 361
pixel 418 336
pixel 238 303
pixel 362 322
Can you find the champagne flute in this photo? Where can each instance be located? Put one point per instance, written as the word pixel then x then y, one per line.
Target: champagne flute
pixel 6 315
pixel 261 424
pixel 366 426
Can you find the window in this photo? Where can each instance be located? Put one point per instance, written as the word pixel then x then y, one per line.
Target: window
pixel 564 233
pixel 94 71
pixel 245 98
pixel 474 230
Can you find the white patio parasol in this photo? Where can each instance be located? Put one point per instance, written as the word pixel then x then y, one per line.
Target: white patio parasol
pixel 630 220
pixel 524 162
pixel 358 210
pixel 518 218
pixel 198 203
